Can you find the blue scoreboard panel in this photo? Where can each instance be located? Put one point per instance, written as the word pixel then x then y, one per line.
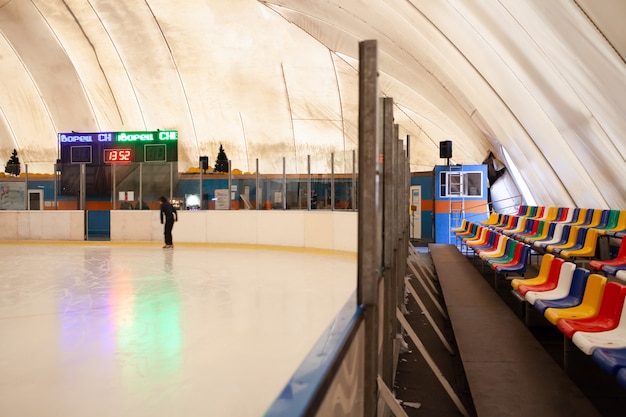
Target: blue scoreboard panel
pixel 101 150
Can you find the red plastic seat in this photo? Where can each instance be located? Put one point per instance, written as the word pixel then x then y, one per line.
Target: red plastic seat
pixel 562 288
pixel 607 318
pixel 550 284
pixel 614 338
pixel 620 259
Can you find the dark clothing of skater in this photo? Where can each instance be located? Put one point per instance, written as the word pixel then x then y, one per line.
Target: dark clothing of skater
pixel 169 215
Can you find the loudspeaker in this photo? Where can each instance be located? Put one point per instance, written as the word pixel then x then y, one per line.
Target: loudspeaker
pixel 204 163
pixel 445 149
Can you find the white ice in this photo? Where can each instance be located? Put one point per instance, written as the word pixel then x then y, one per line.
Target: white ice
pixel 134 330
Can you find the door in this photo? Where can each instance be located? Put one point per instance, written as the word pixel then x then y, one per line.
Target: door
pixel 35 199
pixel 416 215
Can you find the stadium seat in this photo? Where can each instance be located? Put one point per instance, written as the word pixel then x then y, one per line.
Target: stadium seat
pixel 540 278
pixel 462 228
pixel 573 297
pixel 611 360
pixel 621 275
pixel 547 231
pixel 619 228
pixel 479 238
pixel 532 228
pixel 493 219
pixel 520 226
pixel 613 269
pixel 517 265
pixel 574 238
pixel 611 222
pixel 560 235
pixel 589 307
pixel 498 251
pixel 562 286
pixel 585 250
pixel 606 319
pixel 470 231
pixel 613 339
pixel 568 214
pixel 512 251
pixel 584 216
pixel 492 241
pixel 510 223
pixel 620 259
pixel 550 283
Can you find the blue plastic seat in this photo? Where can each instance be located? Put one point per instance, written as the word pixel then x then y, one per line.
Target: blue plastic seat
pixel 612 269
pixel 574 296
pixel 611 360
pixel 581 234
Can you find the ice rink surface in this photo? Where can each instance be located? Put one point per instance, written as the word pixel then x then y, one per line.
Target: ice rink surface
pixel 100 329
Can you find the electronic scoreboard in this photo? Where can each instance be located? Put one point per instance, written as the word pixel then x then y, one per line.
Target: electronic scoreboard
pixel 101 151
pixel 118 147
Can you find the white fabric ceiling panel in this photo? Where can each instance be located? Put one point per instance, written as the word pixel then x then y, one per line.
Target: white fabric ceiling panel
pixel 25 118
pixel 546 80
pixel 94 58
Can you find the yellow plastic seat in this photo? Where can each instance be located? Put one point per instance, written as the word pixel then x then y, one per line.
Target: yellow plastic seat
pixel 465 225
pixel 519 227
pixel 589 307
pixel 587 251
pixel 571 240
pixel 493 219
pixel 542 275
pixel 497 252
pixel 550 214
pixel 621 224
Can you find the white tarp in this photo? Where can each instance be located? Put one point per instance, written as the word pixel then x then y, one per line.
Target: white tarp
pixel 546 80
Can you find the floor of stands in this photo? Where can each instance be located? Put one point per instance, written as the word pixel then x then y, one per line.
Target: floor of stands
pixel 416 385
pixel 422 394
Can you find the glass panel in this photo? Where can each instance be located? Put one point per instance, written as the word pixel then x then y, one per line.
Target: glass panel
pixel 320 182
pixel 133 186
pixel 271 183
pixel 474 183
pixel 455 184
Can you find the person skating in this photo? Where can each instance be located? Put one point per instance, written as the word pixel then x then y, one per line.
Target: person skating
pixel 169 215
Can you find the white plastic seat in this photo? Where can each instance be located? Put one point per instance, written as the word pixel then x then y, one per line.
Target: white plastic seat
pixel 562 287
pixel 556 237
pixel 611 339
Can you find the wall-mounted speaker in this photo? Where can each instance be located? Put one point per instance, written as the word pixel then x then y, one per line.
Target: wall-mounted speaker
pixel 204 163
pixel 445 149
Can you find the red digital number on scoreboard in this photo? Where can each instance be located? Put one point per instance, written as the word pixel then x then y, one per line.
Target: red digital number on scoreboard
pixel 118 155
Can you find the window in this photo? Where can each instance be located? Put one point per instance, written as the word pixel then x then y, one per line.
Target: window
pixel 461 184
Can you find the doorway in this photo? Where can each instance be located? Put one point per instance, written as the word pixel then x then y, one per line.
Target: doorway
pixel 416 215
pixel 35 199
